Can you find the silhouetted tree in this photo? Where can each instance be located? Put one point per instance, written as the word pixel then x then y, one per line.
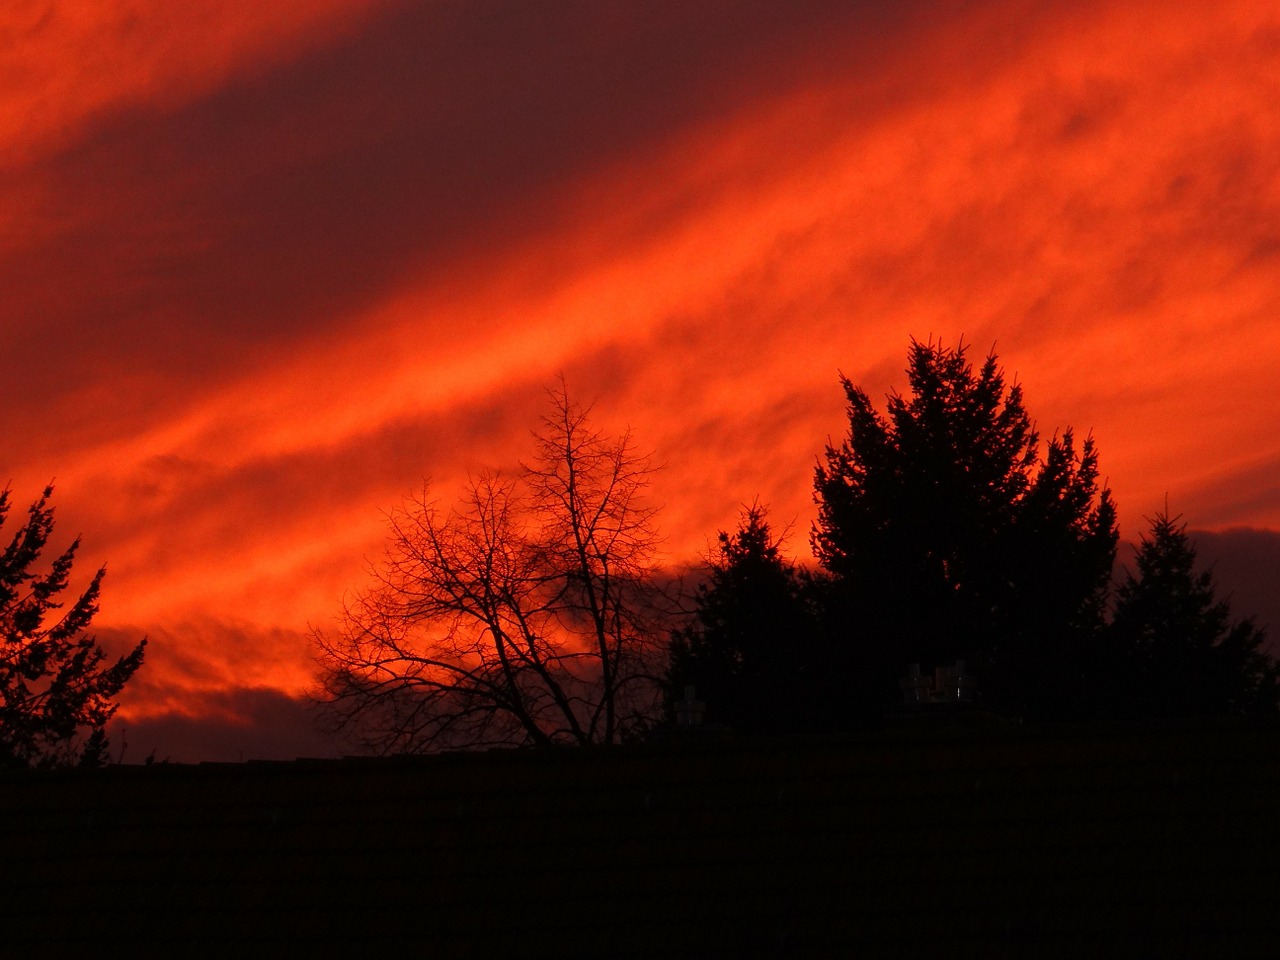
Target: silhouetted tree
pixel 56 690
pixel 1186 655
pixel 527 614
pixel 948 535
pixel 751 646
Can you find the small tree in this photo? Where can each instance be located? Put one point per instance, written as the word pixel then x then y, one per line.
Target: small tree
pixel 527 614
pixel 948 535
pixel 56 690
pixel 1186 656
pixel 751 648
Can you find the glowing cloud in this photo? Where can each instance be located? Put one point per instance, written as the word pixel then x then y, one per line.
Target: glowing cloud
pixel 257 290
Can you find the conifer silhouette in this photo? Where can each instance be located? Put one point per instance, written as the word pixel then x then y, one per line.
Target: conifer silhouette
pixel 1186 656
pixel 56 690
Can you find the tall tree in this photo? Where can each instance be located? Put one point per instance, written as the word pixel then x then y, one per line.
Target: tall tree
pixel 57 690
pixel 750 651
pixel 948 535
pixel 1187 656
pixel 526 614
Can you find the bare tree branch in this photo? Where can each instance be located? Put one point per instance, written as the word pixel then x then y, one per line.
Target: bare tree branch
pixel 525 614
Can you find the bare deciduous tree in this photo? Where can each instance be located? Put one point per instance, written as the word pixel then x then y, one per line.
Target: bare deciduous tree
pixel 526 614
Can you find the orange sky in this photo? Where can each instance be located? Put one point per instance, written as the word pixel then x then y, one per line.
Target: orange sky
pixel 266 266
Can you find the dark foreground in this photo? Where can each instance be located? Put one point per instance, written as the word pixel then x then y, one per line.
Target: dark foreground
pixel 921 842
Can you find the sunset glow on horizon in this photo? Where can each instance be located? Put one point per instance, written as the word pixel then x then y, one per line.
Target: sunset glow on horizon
pixel 268 266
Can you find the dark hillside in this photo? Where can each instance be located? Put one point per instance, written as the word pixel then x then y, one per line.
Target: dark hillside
pixel 923 842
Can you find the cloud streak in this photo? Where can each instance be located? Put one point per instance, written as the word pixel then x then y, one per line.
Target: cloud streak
pixel 254 294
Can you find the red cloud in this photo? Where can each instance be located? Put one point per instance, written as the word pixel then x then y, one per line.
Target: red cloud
pixel 254 293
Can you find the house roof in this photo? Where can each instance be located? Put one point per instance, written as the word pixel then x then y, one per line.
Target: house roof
pixel 1154 841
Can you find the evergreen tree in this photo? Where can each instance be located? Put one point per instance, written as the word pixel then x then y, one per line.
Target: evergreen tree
pixel 749 651
pixel 948 535
pixel 1186 655
pixel 56 690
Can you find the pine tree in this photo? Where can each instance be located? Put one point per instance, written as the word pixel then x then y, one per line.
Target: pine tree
pixel 56 690
pixel 749 652
pixel 1186 657
pixel 948 535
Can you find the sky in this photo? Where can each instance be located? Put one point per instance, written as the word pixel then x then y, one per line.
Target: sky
pixel 266 267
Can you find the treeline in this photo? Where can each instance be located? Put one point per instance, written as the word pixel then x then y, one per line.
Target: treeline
pixel 947 534
pixel 960 559
pixel 952 542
